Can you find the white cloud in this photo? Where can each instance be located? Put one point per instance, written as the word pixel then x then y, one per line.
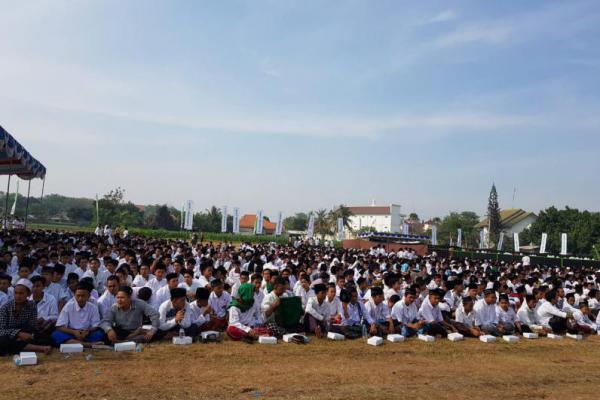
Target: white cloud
pixel 444 16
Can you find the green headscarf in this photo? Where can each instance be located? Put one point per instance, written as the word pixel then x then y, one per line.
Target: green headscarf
pixel 245 297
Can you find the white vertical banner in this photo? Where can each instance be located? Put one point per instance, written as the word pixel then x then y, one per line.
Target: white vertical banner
pixel 236 220
pixel 258 228
pixel 482 239
pixel 182 213
pixel 310 230
pixel 544 243
pixel 189 215
pixel 405 229
pixel 516 240
pixel 340 228
pixel 459 238
pixel 434 235
pixel 563 244
pixel 500 241
pixel 279 227
pixel 224 219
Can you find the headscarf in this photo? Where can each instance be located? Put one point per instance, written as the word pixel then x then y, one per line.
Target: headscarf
pixel 245 297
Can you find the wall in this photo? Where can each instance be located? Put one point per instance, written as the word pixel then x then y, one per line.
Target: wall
pixel 420 249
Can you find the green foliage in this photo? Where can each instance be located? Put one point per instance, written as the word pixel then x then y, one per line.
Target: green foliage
pixel 297 222
pixel 450 224
pixel 493 213
pixel 581 227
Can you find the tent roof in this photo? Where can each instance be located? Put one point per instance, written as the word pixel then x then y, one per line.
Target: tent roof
pixel 16 160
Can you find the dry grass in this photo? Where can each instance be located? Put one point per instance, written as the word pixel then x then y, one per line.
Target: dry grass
pixel 540 369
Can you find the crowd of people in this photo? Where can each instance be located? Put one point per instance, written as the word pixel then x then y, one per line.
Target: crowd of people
pixel 83 288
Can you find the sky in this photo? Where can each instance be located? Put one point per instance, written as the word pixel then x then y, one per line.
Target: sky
pixel 296 106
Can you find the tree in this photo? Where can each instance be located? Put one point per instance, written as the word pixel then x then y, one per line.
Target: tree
pixel 209 220
pixel 493 214
pixel 297 222
pixel 163 218
pixel 450 224
pixel 322 223
pixel 582 229
pixel 341 212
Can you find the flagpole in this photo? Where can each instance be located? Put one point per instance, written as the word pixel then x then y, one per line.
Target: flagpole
pixel 6 204
pixel 27 203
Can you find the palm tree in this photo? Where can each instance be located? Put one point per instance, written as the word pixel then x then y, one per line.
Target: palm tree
pixel 341 212
pixel 322 223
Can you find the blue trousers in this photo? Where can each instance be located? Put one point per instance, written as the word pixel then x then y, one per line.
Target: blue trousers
pixel 61 337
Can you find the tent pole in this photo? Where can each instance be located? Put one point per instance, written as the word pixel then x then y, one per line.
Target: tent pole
pixel 27 203
pixel 43 184
pixel 6 204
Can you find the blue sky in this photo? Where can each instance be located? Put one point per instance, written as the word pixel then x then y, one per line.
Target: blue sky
pixel 302 105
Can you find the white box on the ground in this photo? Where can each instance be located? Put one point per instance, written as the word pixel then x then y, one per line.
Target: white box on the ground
pixel 28 358
pixel 206 334
pixel 335 336
pixel 395 338
pixel 375 341
pixel 426 338
pixel 182 340
pixel 510 338
pixel 530 335
pixel 487 338
pixel 71 348
pixel 536 327
pixel 574 336
pixel 554 336
pixel 455 337
pixel 125 346
pixel 267 340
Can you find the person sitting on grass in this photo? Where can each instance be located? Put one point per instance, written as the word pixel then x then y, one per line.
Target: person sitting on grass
pixel 528 318
pixel 405 314
pixel 551 317
pixel 201 310
pixel 243 311
pixel 176 314
pixel 583 322
pixel 316 317
pixel 123 322
pixel 163 294
pixel 47 307
pixel 486 317
pixel 352 314
pixel 79 320
pixel 18 323
pixel 464 320
pixel 218 301
pixel 432 315
pixel 377 314
pixel 506 315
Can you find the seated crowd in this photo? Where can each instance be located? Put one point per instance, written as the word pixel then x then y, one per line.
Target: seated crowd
pixel 86 288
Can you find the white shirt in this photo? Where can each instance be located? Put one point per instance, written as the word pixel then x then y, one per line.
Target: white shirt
pixel 428 313
pixel 219 304
pixel 467 320
pixel 527 316
pixel 319 311
pixel 355 313
pixel 485 314
pixel 47 307
pixel 508 317
pixel 155 284
pixel 404 313
pixel 79 318
pixel 546 311
pixel 376 313
pixel 105 302
pixel 198 316
pixel 160 296
pixel 244 320
pixel 167 316
pixel 140 281
pixel 335 306
pixel 303 294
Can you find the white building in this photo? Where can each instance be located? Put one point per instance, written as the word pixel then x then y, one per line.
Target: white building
pixel 381 218
pixel 512 220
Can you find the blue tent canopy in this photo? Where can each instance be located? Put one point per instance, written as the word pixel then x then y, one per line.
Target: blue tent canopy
pixel 16 160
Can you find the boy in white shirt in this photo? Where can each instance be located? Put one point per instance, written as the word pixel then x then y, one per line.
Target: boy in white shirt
pixel 465 318
pixel 377 314
pixel 219 301
pixel 507 316
pixel 352 312
pixel 406 314
pixel 317 314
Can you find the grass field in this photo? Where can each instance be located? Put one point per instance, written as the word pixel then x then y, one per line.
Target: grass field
pixel 539 369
